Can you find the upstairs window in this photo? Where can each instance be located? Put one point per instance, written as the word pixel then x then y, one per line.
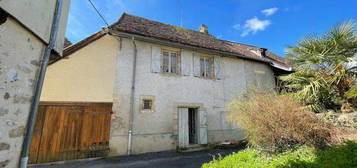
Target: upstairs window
pixel 170 61
pixel 206 67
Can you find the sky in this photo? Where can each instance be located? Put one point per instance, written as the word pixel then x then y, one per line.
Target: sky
pixel 272 24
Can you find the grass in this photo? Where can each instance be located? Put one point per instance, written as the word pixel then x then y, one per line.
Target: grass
pixel 339 156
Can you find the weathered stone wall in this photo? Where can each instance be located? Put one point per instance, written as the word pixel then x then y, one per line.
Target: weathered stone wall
pixel 20 54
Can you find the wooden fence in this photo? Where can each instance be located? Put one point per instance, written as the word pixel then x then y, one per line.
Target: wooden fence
pixel 67 131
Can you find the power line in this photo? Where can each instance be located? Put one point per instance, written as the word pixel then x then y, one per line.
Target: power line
pixel 100 15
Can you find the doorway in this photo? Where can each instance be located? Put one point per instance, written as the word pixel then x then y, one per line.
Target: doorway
pixel 192 126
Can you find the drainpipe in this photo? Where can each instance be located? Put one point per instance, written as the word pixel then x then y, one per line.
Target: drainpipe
pixel 132 100
pixel 37 90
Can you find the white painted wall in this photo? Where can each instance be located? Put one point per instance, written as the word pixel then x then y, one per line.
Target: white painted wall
pixel 157 131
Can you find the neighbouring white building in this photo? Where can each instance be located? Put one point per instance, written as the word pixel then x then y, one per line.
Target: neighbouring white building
pixel 169 86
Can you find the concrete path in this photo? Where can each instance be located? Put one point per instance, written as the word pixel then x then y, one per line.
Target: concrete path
pixel 170 159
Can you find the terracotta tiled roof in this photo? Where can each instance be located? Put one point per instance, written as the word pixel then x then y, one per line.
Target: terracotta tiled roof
pixel 66 43
pixel 144 27
pixel 149 28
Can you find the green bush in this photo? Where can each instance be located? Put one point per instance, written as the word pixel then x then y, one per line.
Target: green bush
pixel 342 156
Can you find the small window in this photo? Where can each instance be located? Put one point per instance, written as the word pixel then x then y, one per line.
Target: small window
pixel 147 104
pixel 170 61
pixel 206 67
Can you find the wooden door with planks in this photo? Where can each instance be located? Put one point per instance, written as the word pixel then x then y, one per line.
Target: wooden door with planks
pixel 67 131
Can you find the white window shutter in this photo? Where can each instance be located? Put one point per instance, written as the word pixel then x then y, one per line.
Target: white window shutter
pixel 155 59
pixel 186 63
pixel 202 132
pixel 218 67
pixel 196 64
pixel 183 137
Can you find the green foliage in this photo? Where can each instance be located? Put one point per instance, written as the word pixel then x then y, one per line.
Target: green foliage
pixel 324 72
pixel 337 45
pixel 342 156
pixel 352 92
pixel 309 88
pixel 244 159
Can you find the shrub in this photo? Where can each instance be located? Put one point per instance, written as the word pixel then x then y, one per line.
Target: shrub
pixel 341 156
pixel 279 122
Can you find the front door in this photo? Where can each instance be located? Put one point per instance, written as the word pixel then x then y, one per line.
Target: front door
pixel 192 127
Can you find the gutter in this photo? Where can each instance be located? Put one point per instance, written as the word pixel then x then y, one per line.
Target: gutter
pixel 39 83
pixel 132 93
pixel 132 99
pixel 288 69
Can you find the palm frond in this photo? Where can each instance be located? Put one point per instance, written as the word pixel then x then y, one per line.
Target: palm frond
pixel 352 93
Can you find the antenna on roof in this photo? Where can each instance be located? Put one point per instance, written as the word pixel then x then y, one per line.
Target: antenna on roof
pixel 181 12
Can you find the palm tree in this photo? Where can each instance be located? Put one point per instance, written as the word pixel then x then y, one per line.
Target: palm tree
pixel 325 69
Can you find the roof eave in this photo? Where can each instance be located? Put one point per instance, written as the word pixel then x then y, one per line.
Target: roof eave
pixel 179 45
pixel 73 48
pixel 77 46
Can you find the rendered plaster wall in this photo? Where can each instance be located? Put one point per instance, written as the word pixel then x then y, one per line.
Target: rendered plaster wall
pixel 43 11
pixel 20 54
pixel 86 75
pixel 157 130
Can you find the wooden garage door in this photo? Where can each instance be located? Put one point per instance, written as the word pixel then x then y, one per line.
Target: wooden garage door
pixel 67 131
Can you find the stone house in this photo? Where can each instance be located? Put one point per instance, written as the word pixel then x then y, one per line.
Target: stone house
pixel 25 31
pixel 169 86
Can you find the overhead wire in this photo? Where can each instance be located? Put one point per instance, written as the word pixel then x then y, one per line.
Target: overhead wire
pixel 97 11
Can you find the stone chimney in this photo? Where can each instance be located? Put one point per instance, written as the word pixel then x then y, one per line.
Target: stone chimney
pixel 203 29
pixel 263 51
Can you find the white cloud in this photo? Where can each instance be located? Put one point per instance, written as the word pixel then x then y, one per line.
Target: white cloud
pixel 270 11
pixel 236 26
pixel 254 25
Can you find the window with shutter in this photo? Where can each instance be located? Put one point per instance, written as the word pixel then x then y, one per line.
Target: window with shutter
pixel 170 61
pixel 206 67
pixel 165 61
pixel 173 63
